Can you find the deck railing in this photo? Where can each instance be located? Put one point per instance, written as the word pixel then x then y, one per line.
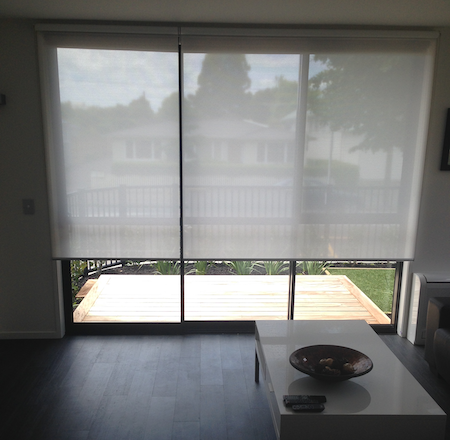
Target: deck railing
pixel 99 265
pixel 219 202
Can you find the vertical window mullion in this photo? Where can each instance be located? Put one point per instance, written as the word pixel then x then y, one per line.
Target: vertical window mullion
pixel 180 112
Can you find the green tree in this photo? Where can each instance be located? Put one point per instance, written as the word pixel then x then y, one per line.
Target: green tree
pixel 102 120
pixel 271 105
pixel 170 107
pixel 139 111
pixel 223 84
pixel 367 95
pixel 378 84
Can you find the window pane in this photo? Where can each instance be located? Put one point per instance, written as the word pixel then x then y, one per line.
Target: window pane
pixel 238 149
pixel 235 290
pixel 125 291
pixel 303 155
pixel 361 154
pixel 119 167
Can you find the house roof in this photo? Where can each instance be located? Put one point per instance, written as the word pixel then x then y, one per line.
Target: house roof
pixel 210 129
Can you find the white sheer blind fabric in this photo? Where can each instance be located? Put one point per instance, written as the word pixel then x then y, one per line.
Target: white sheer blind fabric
pixel 113 145
pixel 303 148
pixel 292 147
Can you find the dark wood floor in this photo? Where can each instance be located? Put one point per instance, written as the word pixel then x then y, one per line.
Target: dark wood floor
pixel 132 387
pixel 412 357
pixel 148 387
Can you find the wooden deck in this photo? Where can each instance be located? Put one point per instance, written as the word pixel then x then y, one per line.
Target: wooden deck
pixel 156 298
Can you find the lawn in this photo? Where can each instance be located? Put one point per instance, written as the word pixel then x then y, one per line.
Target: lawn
pixel 377 284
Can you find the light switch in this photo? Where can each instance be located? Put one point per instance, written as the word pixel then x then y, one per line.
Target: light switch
pixel 28 206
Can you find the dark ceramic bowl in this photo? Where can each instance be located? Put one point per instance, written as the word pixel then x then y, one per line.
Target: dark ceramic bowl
pixel 307 360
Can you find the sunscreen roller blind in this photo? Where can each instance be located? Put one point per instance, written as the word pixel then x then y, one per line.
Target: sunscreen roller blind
pixel 292 147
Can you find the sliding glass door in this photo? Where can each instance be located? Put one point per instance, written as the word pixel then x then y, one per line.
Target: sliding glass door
pixel 242 150
pixel 195 145
pixel 114 158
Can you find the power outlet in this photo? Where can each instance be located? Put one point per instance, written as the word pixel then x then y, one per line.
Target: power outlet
pixel 28 206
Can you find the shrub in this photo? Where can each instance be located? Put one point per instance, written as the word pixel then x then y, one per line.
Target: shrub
pixel 200 267
pixel 275 267
pixel 167 267
pixel 243 267
pixel 312 267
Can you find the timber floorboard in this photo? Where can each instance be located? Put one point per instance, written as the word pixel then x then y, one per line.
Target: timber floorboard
pixel 149 387
pixel 131 388
pixel 156 298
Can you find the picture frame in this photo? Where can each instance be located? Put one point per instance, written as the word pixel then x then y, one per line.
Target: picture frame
pixel 445 159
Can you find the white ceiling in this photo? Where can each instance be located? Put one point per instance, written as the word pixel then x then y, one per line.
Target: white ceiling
pixel 306 12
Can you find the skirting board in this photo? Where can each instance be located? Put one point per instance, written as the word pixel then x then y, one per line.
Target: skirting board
pixel 31 335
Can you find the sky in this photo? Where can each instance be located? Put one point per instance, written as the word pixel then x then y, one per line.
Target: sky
pixel 106 78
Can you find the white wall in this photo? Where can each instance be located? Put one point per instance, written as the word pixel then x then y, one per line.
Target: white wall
pixel 433 239
pixel 28 306
pixel 433 236
pixel 29 301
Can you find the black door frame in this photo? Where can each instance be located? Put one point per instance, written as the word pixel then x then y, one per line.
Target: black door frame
pixel 187 327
